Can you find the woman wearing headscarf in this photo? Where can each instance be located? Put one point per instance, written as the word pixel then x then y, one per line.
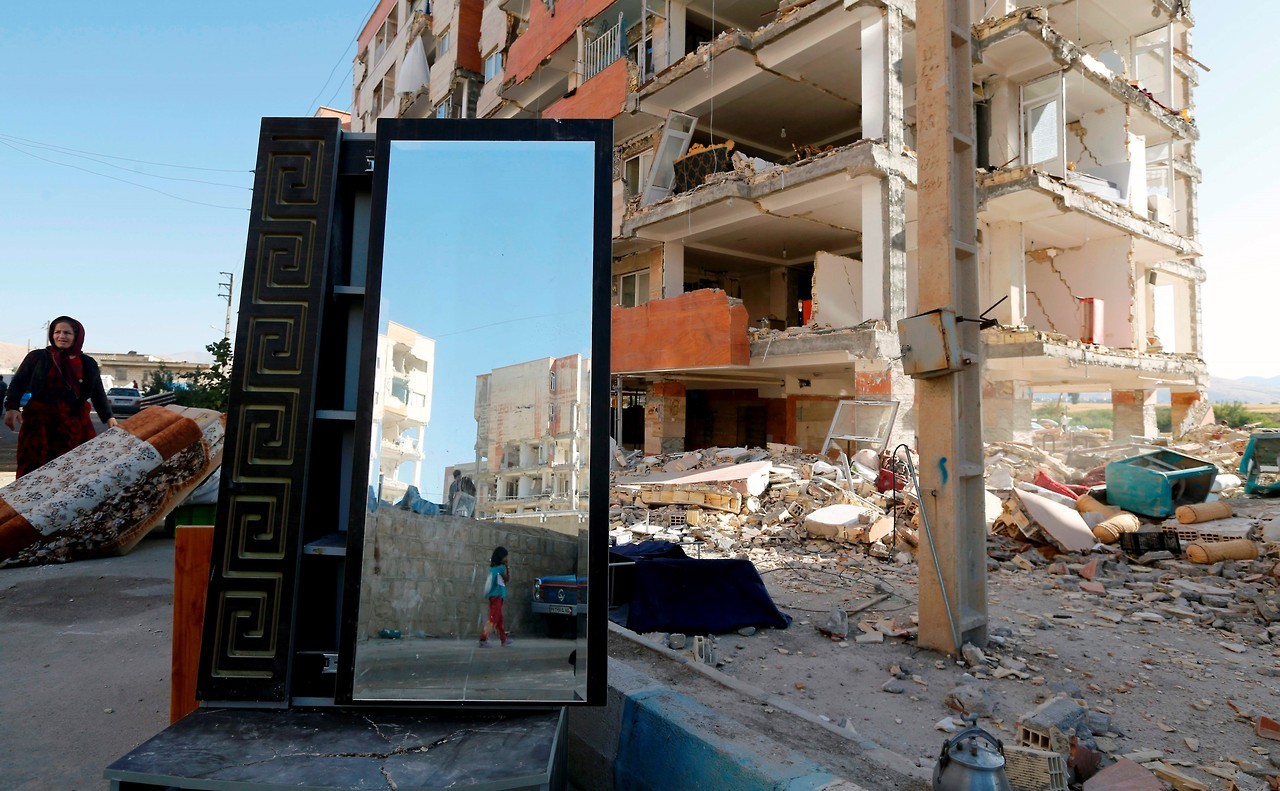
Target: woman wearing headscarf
pixel 62 380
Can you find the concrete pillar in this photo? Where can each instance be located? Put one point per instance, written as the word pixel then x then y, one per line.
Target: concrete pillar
pixel 1187 322
pixel 1004 145
pixel 953 556
pixel 1180 405
pixel 1005 273
pixel 672 269
pixel 676 13
pixel 779 304
pixel 1006 411
pixel 1133 413
pixel 664 418
pixel 882 104
pixel 884 249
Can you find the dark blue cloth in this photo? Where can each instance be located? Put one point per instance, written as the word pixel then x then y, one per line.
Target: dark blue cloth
pixel 700 597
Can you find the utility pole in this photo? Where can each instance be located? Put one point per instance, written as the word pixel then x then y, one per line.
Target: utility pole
pixel 228 285
pixel 953 573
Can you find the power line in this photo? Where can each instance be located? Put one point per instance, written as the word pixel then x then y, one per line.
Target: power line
pixel 329 103
pixel 117 178
pixel 123 159
pixel 93 158
pixel 363 20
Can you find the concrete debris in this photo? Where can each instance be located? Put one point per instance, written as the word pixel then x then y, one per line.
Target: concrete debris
pixel 826 525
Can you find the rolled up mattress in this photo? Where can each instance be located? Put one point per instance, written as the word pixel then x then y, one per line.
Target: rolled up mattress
pixel 104 496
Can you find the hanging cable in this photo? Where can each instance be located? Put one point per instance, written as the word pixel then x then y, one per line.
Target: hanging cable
pixel 94 158
pixel 64 149
pixel 123 181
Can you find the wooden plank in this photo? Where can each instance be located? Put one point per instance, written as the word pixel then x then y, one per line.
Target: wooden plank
pixel 192 554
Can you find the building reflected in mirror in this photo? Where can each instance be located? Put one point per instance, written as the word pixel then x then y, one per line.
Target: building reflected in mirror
pixel 531 437
pixel 401 409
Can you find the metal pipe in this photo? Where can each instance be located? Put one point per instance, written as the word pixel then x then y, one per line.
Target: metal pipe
pixel 928 534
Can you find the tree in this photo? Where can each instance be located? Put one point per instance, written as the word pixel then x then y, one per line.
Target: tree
pixel 158 381
pixel 210 388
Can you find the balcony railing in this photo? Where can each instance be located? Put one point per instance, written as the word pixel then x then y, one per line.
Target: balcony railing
pixel 603 51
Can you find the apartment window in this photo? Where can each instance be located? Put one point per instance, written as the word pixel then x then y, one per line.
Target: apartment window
pixel 551 381
pixel 443 110
pixel 493 66
pixel 642 54
pixel 633 289
pixel 442 43
pixel 1043 125
pixel 633 172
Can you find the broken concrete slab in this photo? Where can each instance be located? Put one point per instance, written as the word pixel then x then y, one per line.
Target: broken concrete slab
pixel 1124 775
pixel 839 522
pixel 1062 524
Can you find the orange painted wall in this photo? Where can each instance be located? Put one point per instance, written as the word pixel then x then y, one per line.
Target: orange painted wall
pixel 548 32
pixel 602 96
pixel 375 22
pixel 873 383
pixel 469 13
pixel 698 328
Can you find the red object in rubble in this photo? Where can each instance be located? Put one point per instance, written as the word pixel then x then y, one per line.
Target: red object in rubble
pixel 888 481
pixel 1043 480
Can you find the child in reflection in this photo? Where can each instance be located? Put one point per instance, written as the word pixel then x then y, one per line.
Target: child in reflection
pixel 496 593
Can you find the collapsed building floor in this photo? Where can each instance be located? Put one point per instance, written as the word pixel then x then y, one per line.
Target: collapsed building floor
pixel 1096 654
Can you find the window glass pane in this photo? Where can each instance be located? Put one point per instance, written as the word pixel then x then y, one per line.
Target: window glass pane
pixel 1043 129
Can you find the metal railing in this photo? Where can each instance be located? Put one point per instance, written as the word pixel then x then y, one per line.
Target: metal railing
pixel 603 51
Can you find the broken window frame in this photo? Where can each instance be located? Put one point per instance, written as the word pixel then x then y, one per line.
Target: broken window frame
pixel 633 172
pixel 1057 163
pixel 1163 52
pixel 878 441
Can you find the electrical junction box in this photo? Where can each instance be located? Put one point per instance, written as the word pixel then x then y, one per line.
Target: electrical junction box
pixel 930 344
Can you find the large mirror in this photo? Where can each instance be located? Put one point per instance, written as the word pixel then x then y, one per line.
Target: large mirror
pixel 474 544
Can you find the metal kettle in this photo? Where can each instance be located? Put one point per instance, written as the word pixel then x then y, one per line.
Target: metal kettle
pixel 972 760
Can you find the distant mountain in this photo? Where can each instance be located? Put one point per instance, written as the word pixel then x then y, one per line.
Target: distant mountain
pixel 1272 381
pixel 10 355
pixel 1249 390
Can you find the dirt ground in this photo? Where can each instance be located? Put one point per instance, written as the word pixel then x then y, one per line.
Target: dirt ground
pixel 1166 681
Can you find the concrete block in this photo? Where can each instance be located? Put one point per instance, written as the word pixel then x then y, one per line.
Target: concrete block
pixel 702 750
pixel 594 732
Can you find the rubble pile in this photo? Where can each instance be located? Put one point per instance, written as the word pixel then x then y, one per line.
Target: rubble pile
pixel 844 530
pixel 732 500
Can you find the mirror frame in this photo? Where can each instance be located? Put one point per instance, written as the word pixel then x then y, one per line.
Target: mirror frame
pixel 600 134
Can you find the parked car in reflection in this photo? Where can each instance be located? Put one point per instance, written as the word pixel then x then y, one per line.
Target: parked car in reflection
pixel 131 401
pixel 561 598
pixel 124 400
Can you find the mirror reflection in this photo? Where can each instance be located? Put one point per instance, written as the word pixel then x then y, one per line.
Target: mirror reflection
pixel 473 582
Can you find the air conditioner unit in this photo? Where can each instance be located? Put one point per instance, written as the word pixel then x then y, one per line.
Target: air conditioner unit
pixel 1160 209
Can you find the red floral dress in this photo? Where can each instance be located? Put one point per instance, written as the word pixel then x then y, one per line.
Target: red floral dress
pixel 53 423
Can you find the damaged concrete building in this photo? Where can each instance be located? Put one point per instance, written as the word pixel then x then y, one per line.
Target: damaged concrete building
pixel 765 215
pixel 402 408
pixel 531 448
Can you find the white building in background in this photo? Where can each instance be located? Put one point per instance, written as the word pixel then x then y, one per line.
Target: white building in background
pixel 402 408
pixel 419 59
pixel 532 436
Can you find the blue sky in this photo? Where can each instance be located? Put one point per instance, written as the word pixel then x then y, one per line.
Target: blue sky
pixel 489 296
pixel 186 84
